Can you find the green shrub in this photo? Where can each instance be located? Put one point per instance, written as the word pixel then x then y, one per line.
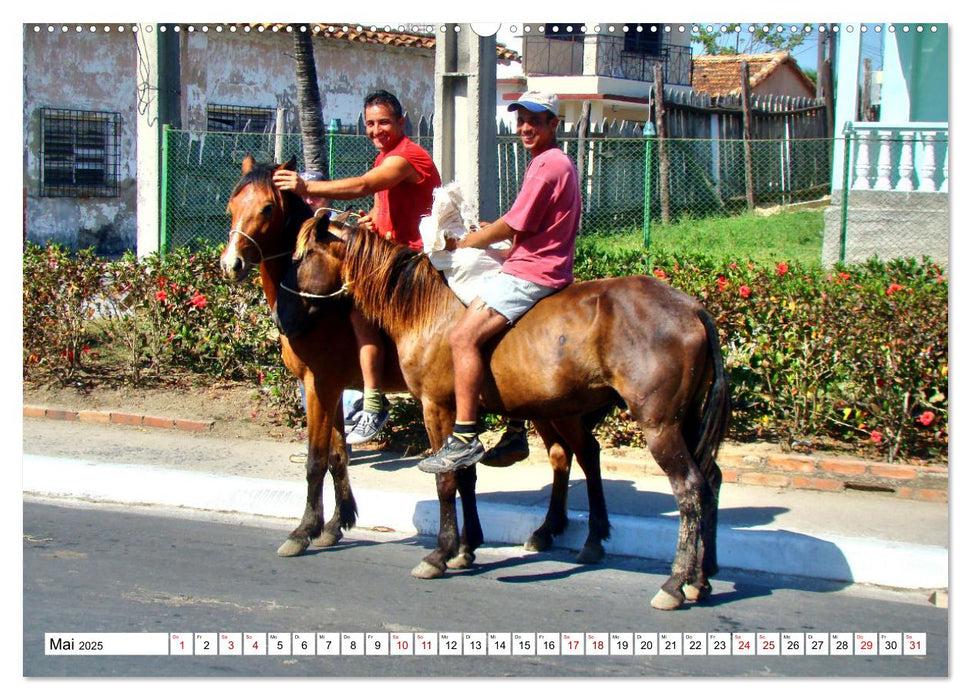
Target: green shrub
pixel 854 356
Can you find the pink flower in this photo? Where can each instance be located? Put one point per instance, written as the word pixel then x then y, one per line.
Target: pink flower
pixel 745 291
pixel 782 268
pixel 198 300
pixel 876 436
pixel 926 418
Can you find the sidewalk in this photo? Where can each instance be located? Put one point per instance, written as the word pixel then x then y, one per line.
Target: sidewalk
pixel 850 536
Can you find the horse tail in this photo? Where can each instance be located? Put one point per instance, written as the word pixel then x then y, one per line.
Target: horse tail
pixel 717 410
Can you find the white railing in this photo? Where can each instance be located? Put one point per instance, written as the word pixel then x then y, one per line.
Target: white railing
pixel 898 158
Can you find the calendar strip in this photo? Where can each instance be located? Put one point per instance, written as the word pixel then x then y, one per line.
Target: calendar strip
pixel 376 644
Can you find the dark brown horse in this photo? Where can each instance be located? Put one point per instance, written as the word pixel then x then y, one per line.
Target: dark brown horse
pixel 577 353
pixel 264 227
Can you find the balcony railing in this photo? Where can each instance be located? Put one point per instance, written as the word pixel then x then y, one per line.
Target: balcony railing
pixel 900 158
pixel 564 56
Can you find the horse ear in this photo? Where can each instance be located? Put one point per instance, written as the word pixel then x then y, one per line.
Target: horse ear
pixel 290 164
pixel 248 163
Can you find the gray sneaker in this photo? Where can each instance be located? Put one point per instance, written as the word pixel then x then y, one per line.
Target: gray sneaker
pixel 454 454
pixel 512 447
pixel 367 426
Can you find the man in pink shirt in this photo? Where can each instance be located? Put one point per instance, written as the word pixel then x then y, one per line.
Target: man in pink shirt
pixel 542 224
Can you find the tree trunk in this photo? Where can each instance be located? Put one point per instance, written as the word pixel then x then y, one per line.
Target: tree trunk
pixel 309 108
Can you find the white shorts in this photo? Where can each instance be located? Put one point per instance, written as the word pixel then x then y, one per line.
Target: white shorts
pixel 511 296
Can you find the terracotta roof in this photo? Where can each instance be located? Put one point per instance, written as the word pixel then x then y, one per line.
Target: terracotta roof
pixel 403 36
pixel 720 75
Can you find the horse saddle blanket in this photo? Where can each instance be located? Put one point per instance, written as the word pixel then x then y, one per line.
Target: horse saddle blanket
pixel 465 269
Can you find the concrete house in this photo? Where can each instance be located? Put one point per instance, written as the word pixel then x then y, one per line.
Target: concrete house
pixel 90 93
pixel 609 65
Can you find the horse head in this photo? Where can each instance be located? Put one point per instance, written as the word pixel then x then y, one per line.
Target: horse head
pixel 315 275
pixel 263 220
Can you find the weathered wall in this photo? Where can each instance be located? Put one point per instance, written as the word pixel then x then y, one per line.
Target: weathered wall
pixel 83 71
pixel 257 70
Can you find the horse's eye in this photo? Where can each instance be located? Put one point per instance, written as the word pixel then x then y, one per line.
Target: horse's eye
pixel 267 211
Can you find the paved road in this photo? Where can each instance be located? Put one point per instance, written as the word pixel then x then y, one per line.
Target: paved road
pixel 99 569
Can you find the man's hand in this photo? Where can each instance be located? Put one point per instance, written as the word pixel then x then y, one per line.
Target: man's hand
pixel 289 180
pixel 366 223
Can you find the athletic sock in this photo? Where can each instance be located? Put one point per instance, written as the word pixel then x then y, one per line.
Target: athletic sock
pixel 465 431
pixel 373 400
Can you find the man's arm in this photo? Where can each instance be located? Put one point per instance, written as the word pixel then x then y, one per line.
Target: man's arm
pixel 497 231
pixel 392 171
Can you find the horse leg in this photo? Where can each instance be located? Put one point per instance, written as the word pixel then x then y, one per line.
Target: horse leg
pixel 707 565
pixel 587 450
pixel 472 535
pixel 672 455
pixel 561 458
pixel 439 421
pixel 345 507
pixel 319 427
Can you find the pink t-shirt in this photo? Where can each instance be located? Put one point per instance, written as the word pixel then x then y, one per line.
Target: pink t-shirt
pixel 546 214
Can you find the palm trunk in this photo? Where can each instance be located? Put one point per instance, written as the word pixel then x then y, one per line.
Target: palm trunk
pixel 309 108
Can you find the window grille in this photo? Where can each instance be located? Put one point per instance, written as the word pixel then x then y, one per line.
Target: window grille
pixel 79 153
pixel 246 120
pixel 644 42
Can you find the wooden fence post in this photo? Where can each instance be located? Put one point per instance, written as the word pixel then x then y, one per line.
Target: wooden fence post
pixel 747 135
pixel 662 150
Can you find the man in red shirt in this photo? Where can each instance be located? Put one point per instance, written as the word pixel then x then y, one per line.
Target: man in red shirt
pixel 402 181
pixel 543 225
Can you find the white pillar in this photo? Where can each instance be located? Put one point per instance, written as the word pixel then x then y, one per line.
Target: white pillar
pixel 465 115
pixel 148 130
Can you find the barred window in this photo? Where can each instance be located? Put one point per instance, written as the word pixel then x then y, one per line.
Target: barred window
pixel 79 153
pixel 247 120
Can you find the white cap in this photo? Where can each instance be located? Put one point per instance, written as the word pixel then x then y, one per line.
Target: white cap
pixel 536 101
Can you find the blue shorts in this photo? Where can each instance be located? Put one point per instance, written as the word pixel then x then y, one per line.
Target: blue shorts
pixel 511 296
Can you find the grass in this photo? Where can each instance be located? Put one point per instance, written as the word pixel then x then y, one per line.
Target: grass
pixel 788 236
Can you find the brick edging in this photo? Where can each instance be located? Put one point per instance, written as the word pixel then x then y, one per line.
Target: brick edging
pixel 806 472
pixel 119 418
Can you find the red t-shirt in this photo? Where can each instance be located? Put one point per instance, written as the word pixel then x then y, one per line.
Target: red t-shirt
pixel 546 214
pixel 399 210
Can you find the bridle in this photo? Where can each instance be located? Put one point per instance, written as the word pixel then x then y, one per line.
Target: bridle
pixel 344 287
pixel 263 258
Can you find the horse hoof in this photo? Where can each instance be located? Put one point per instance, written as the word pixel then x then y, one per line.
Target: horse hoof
pixel 665 601
pixel 292 548
pixel 426 570
pixel 694 594
pixel 328 539
pixel 463 560
pixel 590 554
pixel 538 544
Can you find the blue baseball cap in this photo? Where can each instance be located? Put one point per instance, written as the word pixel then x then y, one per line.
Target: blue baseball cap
pixel 536 101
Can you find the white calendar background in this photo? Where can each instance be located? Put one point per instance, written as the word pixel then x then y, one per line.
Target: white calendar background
pixel 379 644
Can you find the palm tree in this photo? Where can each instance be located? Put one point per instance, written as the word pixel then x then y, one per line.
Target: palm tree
pixel 309 108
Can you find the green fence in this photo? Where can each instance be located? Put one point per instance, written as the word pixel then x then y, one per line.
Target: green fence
pixel 621 178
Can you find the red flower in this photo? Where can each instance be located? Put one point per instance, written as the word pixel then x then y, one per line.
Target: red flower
pixel 894 287
pixel 198 300
pixel 926 418
pixel 161 295
pixel 660 274
pixel 722 283
pixel 733 266
pixel 745 291
pixel 782 268
pixel 876 436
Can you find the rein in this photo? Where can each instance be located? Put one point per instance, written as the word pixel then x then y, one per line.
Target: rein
pixel 307 295
pixel 263 258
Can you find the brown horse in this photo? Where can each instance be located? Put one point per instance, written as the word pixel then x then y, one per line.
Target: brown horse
pixel 576 354
pixel 322 353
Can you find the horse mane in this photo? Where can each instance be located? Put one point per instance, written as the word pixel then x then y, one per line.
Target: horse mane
pixel 393 285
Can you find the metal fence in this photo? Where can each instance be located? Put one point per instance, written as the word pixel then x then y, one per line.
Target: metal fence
pixel 622 178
